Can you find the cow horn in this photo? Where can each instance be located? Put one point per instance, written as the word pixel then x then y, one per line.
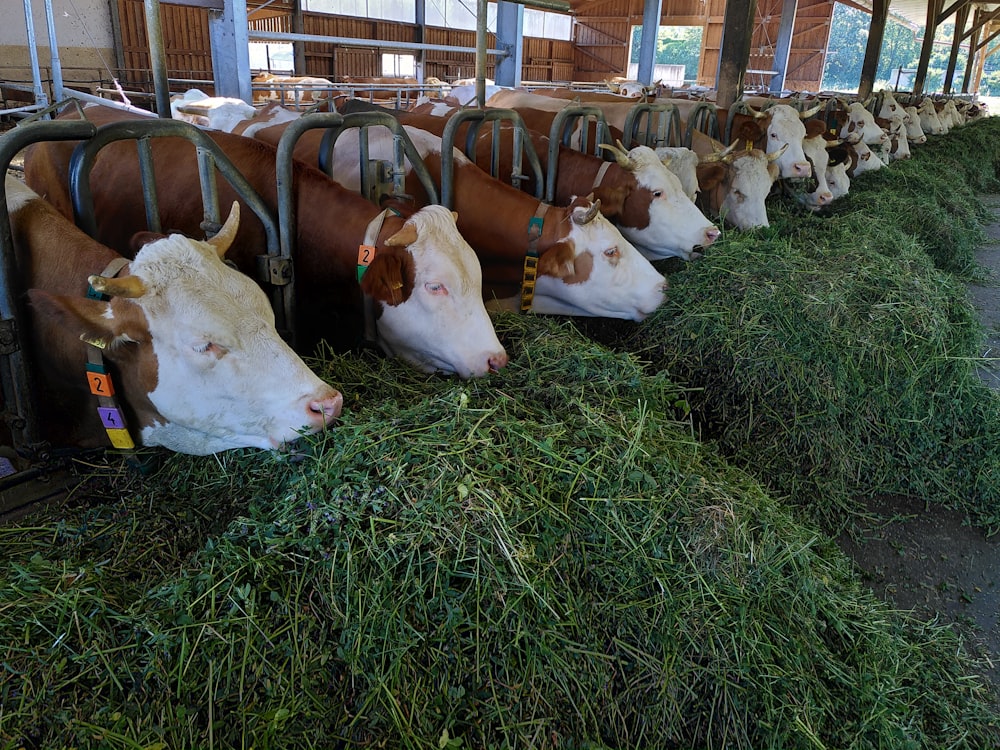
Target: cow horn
pixel 777 154
pixel 621 156
pixel 405 236
pixel 806 114
pixel 833 143
pixel 128 287
pixel 757 114
pixel 225 236
pixel 590 214
pixel 718 155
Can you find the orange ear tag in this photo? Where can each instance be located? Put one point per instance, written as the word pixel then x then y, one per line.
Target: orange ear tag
pixel 100 384
pixel 366 254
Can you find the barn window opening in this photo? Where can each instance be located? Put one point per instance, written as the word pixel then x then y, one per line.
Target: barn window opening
pixel 398 65
pixel 272 57
pixel 678 52
pixel 545 25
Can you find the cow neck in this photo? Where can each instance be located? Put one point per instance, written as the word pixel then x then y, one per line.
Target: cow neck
pixel 99 378
pixel 599 177
pixel 366 254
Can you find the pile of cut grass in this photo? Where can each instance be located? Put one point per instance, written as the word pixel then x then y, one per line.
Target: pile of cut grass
pixel 834 355
pixel 547 558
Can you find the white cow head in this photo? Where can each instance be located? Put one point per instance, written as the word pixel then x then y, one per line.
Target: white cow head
pixel 198 356
pixel 914 132
pixel 674 226
pixel 861 126
pixel 930 122
pixel 737 182
pixel 428 286
pixel 594 271
pixel 683 162
pixel 785 133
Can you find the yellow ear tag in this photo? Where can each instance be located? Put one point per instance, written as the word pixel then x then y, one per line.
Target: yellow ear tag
pixel 749 145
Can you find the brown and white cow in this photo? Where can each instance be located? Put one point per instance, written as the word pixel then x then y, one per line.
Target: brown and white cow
pixel 860 126
pixel 914 132
pixel 211 112
pixel 683 162
pixel 197 365
pixel 644 199
pixel 930 122
pixel 292 91
pixel 733 182
pixel 425 280
pixel 586 267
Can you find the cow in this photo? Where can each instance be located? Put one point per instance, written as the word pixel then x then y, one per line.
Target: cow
pixel 683 162
pixel 190 358
pixel 860 125
pixel 734 183
pixel 815 146
pixel 424 281
pixel 861 159
pixel 643 198
pixel 292 91
pixel 930 122
pixel 898 145
pixel 211 112
pixel 914 132
pixel 585 266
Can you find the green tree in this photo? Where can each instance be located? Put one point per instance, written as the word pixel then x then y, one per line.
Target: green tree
pixel 675 45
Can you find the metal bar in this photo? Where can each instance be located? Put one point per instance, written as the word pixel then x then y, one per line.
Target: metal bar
pixel 652 13
pixel 481 13
pixel 36 73
pixel 57 79
pixel 344 41
pixel 157 57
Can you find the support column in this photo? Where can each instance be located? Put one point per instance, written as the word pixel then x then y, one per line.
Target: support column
pixel 298 48
pixel 227 30
pixel 876 32
pixel 510 37
pixel 784 46
pixel 961 18
pixel 419 34
pixel 933 8
pixel 652 12
pixel 158 57
pixel 973 53
pixel 737 29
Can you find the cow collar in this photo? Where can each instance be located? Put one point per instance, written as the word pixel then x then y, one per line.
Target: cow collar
pixel 99 379
pixel 366 254
pixel 535 226
pixel 600 175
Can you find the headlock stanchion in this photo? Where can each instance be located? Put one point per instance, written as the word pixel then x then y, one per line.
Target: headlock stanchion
pixel 15 378
pixel 273 268
pixel 561 134
pixel 667 129
pixel 523 148
pixel 704 118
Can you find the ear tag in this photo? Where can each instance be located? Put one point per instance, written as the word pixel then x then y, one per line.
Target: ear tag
pixel 366 254
pixel 93 341
pixel 100 384
pixel 749 145
pixel 120 439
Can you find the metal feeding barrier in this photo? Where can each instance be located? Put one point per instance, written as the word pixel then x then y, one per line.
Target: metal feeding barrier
pixel 523 148
pixel 662 125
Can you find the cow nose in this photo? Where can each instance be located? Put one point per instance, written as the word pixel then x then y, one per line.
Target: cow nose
pixel 824 198
pixel 497 361
pixel 324 409
pixel 802 168
pixel 711 235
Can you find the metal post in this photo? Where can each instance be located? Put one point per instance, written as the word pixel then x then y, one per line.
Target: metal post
pixel 784 47
pixel 652 11
pixel 57 79
pixel 481 16
pixel 510 37
pixel 157 57
pixel 36 73
pixel 230 39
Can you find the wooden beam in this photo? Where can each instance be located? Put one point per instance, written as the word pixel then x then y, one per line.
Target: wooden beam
pixel 961 18
pixel 973 52
pixel 876 32
pixel 987 17
pixel 737 29
pixel 933 8
pixel 951 10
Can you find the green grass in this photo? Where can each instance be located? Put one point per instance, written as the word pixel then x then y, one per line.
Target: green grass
pixel 592 549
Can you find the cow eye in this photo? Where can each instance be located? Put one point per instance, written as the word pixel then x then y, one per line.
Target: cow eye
pixel 657 193
pixel 612 252
pixel 436 287
pixel 209 347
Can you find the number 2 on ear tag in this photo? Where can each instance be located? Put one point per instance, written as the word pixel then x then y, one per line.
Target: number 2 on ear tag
pixel 366 254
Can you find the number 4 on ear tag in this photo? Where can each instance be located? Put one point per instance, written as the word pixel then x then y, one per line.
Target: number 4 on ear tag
pixel 366 254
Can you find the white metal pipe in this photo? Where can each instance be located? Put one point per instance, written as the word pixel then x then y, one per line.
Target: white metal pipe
pixel 36 74
pixel 57 79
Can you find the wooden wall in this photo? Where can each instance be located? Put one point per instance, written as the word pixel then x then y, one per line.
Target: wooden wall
pixel 599 49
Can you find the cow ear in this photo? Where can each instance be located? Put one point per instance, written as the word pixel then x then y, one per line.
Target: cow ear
pixel 83 317
pixel 141 239
pixel 405 236
pixel 814 128
pixel 612 199
pixel 710 175
pixel 390 276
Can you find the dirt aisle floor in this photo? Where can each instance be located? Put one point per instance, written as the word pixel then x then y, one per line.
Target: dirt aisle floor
pixel 928 559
